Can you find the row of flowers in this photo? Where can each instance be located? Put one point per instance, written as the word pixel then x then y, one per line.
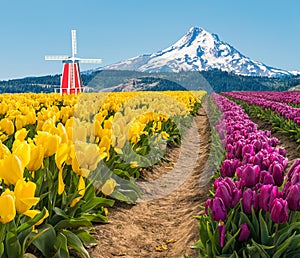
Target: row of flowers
pixel 254 208
pixel 285 97
pixel 283 109
pixel 62 157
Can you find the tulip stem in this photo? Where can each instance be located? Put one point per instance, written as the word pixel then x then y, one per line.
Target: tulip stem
pixel 292 217
pixel 275 236
pixel 2 232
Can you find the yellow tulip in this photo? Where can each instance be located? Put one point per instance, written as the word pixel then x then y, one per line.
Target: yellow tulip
pixel 105 143
pixel 7 126
pixel 22 149
pixel 21 134
pixel 62 154
pixel 62 132
pixel 36 157
pixel 7 207
pixel 4 151
pixel 81 191
pixel 24 193
pixel 33 213
pixel 109 186
pixel 61 184
pixel 11 169
pixel 48 141
pixel 165 135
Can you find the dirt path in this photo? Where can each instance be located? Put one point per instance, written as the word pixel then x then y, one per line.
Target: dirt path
pixel 135 231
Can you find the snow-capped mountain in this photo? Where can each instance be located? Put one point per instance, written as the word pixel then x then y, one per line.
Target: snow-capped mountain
pixel 198 50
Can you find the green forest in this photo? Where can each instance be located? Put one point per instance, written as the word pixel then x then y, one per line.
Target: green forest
pixel 213 80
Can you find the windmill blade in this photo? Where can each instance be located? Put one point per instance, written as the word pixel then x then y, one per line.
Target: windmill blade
pixel 56 58
pixel 90 61
pixel 74 43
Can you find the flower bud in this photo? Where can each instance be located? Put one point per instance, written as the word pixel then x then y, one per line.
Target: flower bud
pixel 218 209
pixel 244 233
pixel 293 197
pixel 279 211
pixel 266 196
pixel 277 172
pixel 221 233
pixel 249 200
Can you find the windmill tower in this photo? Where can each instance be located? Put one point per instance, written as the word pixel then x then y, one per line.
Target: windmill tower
pixel 71 82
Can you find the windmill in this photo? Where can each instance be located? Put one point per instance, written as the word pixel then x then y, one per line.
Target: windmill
pixel 71 82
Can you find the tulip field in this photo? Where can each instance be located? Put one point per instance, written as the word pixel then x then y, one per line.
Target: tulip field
pixel 66 159
pixel 253 210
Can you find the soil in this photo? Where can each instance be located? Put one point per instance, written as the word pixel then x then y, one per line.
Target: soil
pixel 162 223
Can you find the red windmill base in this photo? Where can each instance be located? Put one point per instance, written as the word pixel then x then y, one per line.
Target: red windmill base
pixel 71 82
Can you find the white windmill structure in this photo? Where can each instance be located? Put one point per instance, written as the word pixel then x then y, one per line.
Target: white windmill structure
pixel 71 82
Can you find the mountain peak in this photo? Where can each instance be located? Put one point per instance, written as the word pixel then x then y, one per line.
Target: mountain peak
pixel 198 50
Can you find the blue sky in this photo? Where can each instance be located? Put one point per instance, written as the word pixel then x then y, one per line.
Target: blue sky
pixel 267 31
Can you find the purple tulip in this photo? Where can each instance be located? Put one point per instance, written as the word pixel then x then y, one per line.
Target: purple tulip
pixel 221 233
pixel 265 164
pixel 224 192
pixel 238 149
pixel 217 208
pixel 277 172
pixel 296 177
pixel 250 174
pixel 293 197
pixel 257 145
pixel 257 159
pixel 267 195
pixel 249 200
pixel 266 178
pixel 285 189
pixel 236 196
pixel 282 151
pixel 279 211
pixel 249 148
pixel 227 169
pixel 295 165
pixel 244 233
pixel 208 204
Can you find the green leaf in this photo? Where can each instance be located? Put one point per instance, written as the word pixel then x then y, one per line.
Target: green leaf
pixel 96 218
pixel 61 246
pixel 96 202
pixel 244 218
pixel 75 242
pixel 264 233
pixel 60 212
pixel 286 231
pixel 1 249
pixel 122 173
pixel 295 243
pixel 73 223
pixel 261 250
pixel 46 241
pixel 203 231
pixel 33 221
pixel 12 245
pixel 86 238
pixel 212 239
pixel 282 248
pixel 255 225
pixel 230 242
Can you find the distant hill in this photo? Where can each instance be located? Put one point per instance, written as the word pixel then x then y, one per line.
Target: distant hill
pixel 215 80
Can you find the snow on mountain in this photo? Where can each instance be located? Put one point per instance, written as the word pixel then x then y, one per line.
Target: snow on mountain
pixel 198 50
